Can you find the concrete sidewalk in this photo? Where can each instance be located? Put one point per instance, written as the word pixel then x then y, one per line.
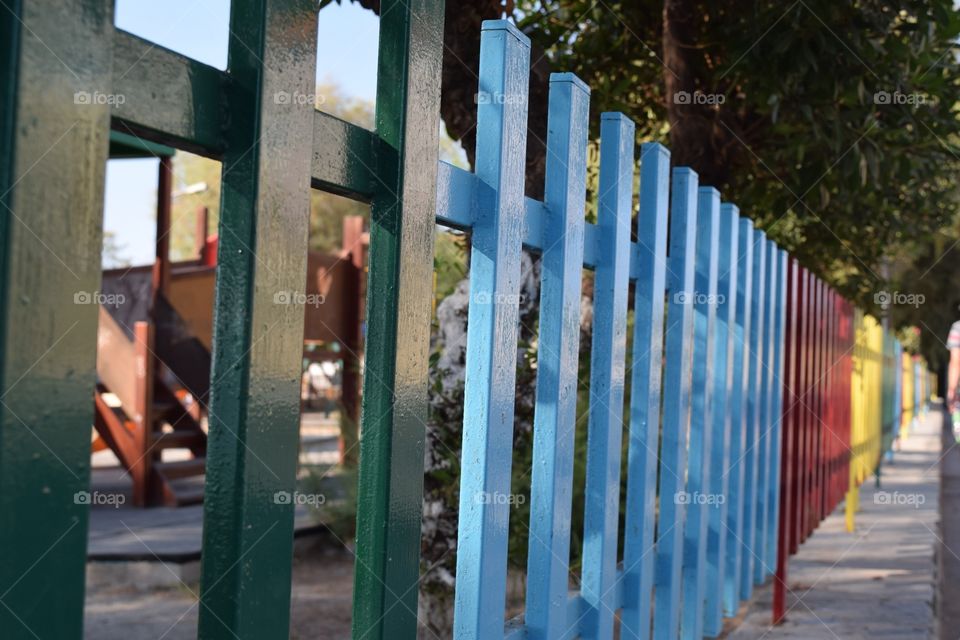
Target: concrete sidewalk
pixel 877 582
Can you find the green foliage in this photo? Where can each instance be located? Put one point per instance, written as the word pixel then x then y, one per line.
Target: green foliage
pixel 838 127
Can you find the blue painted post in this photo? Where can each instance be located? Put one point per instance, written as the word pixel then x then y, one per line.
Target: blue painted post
pixel 754 416
pixel 492 334
pixel 649 269
pixel 726 316
pixel 555 417
pixel 605 434
pixel 699 487
pixel 776 445
pixel 678 376
pixel 738 416
pixel 768 423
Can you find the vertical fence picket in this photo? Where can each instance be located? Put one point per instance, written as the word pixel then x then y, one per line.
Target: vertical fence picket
pixel 390 485
pixel 645 386
pixel 805 400
pixel 787 413
pixel 53 151
pixel 678 377
pixel 699 487
pixel 608 351
pixel 797 407
pixel 556 401
pixel 738 417
pixel 768 423
pixel 492 335
pixel 254 419
pixel 754 415
pixel 717 538
pixel 776 413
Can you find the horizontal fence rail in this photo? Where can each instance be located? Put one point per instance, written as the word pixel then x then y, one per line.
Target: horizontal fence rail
pixel 759 398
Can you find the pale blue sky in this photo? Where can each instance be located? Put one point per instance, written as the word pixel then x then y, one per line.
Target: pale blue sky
pixel 346 55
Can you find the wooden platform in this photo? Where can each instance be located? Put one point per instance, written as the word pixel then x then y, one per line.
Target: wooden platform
pixel 167 534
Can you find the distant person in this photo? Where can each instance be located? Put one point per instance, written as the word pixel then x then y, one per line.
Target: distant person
pixel 953 377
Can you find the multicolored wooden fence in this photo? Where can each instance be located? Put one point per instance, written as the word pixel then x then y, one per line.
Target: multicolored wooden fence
pixel 740 373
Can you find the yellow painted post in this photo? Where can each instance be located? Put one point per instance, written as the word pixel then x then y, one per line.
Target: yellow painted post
pixel 907 418
pixel 866 401
pixel 856 417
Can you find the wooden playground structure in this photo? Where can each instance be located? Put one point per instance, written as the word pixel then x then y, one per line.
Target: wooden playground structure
pixel 154 343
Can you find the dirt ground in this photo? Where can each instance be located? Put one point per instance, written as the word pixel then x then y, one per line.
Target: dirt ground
pixel 321 602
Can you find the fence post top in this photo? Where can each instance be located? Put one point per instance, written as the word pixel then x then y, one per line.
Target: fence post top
pixel 571 78
pixel 709 191
pixel 653 147
pixel 685 172
pixel 509 27
pixel 729 208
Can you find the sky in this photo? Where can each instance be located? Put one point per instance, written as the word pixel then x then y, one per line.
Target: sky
pixel 347 40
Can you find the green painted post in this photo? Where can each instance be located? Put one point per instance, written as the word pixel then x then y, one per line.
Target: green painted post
pixel 55 77
pixel 254 427
pixel 398 316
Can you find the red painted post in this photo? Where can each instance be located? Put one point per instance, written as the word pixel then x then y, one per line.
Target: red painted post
pixel 804 414
pixel 796 409
pixel 788 456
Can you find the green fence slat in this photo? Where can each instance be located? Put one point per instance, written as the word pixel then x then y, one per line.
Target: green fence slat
pixel 168 97
pixel 254 426
pixel 54 136
pixel 398 315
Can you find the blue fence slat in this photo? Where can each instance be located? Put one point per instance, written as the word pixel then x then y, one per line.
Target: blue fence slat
pixel 773 513
pixel 645 383
pixel 722 381
pixel 699 488
pixel 492 335
pixel 738 417
pixel 556 401
pixel 751 458
pixel 605 432
pixel 767 423
pixel 676 403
